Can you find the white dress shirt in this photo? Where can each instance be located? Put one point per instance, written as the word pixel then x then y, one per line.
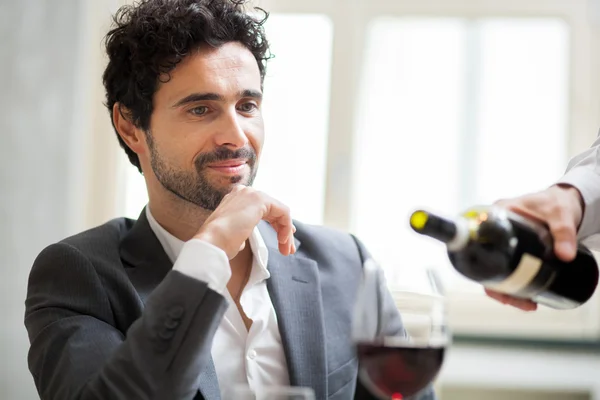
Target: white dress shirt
pixel 583 172
pixel 251 358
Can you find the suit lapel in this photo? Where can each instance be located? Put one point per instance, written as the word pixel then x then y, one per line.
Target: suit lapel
pixel 208 383
pixel 295 291
pixel 144 258
pixel 147 264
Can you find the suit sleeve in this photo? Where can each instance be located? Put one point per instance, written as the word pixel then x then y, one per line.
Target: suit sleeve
pixel 78 353
pixel 390 321
pixel 583 172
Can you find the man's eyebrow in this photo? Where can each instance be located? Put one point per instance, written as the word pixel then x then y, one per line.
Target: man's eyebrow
pixel 257 94
pixel 196 97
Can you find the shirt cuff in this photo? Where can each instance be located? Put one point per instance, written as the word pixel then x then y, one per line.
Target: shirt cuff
pixel 587 181
pixel 203 261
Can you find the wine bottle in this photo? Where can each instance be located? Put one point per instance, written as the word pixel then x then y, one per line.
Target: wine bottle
pixel 510 254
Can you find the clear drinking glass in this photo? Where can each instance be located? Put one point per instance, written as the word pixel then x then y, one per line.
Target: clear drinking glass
pixel 272 393
pixel 399 357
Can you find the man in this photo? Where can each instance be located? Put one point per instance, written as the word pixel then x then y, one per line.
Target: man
pixel 214 285
pixel 570 208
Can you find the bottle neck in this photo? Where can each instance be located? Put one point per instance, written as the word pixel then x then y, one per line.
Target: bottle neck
pixel 455 234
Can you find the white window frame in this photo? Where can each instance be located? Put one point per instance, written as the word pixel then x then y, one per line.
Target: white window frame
pixel 350 19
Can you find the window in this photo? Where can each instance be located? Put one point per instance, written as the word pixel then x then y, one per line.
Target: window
pixel 295 109
pixel 523 106
pixel 409 129
pixel 453 114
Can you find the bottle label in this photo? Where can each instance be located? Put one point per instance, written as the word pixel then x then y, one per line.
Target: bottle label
pixel 521 278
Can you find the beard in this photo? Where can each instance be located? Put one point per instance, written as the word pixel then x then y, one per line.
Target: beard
pixel 195 186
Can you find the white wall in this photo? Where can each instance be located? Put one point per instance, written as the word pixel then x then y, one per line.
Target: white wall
pixel 39 63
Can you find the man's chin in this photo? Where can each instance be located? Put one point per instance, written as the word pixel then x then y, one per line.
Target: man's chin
pixel 225 185
pixel 238 180
pixel 233 181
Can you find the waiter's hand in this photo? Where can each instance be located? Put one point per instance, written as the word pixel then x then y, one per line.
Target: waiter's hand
pixel 232 222
pixel 561 208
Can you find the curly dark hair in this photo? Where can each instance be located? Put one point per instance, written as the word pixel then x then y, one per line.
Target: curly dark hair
pixel 149 38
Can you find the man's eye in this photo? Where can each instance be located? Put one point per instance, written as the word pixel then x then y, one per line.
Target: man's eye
pixel 198 111
pixel 248 107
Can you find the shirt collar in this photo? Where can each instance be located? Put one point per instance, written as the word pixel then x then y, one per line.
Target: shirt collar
pixel 173 245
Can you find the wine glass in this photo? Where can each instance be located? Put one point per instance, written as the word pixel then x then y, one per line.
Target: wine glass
pixel 272 393
pixel 400 333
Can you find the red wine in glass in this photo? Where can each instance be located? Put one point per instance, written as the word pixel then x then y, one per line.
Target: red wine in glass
pixel 398 372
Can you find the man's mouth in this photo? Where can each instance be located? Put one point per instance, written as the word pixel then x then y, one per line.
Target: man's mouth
pixel 229 167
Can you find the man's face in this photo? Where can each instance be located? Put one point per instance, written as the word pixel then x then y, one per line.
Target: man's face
pixel 206 130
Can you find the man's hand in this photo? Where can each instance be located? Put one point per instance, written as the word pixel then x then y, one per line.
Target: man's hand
pixel 561 208
pixel 232 222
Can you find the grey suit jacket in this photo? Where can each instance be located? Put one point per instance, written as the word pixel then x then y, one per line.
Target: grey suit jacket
pixel 108 319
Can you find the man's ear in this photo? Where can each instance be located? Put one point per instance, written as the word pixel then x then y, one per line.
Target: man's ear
pixel 131 134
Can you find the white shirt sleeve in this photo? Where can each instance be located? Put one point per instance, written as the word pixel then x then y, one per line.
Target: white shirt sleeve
pixel 203 261
pixel 583 172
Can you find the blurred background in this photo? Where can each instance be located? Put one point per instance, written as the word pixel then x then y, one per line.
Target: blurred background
pixel 373 108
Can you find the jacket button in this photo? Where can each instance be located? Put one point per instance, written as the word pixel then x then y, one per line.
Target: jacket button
pixel 166 334
pixel 171 323
pixel 175 312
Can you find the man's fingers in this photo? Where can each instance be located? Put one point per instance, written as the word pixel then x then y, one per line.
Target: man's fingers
pixel 284 227
pixel 287 246
pixel 565 250
pixel 561 226
pixel 502 298
pixel 539 208
pixel 562 229
pixel 564 232
pixel 565 239
pixel 279 216
pixel 522 304
pixel 285 237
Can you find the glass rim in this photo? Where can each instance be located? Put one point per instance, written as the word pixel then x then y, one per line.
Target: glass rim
pixel 435 341
pixel 412 301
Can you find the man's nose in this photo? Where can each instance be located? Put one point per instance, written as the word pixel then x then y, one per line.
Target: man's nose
pixel 230 132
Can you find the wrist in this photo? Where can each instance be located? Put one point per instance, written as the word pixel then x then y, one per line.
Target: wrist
pixel 209 236
pixel 576 199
